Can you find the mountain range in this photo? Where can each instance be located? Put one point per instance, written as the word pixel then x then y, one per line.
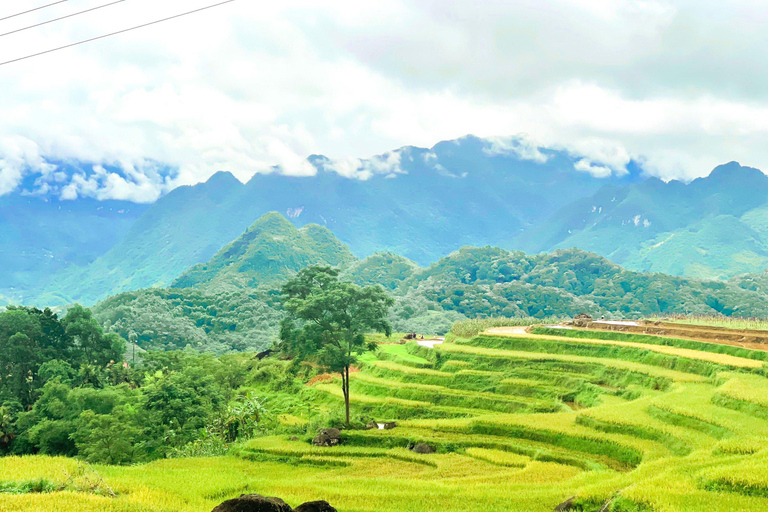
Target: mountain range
pixel 418 203
pixel 712 227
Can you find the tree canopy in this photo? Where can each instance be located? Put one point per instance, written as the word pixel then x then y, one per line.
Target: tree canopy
pixel 328 318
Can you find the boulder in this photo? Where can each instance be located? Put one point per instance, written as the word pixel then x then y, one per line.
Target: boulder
pixel 315 506
pixel 423 448
pixel 569 504
pixel 253 503
pixel 327 437
pixel 266 353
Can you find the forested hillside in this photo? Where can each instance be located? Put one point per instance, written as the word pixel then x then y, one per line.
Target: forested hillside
pixel 268 252
pixel 232 302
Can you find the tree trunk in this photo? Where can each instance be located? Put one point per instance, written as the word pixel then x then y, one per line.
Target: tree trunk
pixel 345 385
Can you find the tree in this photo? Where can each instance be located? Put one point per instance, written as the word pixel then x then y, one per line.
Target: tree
pixel 91 345
pixel 7 419
pixel 327 320
pixel 20 357
pixel 178 405
pixel 106 438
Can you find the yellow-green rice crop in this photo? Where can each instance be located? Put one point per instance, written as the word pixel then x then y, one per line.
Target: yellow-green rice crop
pixel 698 442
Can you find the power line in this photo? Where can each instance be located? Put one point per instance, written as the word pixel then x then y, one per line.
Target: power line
pixel 32 10
pixel 61 18
pixel 116 33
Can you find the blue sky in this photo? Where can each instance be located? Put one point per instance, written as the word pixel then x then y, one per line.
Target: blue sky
pixel 676 85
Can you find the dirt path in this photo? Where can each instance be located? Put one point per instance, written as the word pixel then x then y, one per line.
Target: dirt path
pixel 430 343
pixel 755 340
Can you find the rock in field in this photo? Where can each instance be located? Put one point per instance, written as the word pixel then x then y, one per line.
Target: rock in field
pixel 423 448
pixel 327 437
pixel 253 503
pixel 315 506
pixel 569 504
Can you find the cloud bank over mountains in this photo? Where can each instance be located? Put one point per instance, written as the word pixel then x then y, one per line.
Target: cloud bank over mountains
pixel 675 86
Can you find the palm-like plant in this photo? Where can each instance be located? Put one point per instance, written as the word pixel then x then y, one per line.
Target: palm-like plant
pixel 243 417
pixel 6 427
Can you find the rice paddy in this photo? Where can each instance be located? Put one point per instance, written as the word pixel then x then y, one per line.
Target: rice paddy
pixel 518 422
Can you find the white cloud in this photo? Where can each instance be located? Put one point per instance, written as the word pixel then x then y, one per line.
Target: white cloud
pixel 675 85
pixel 387 164
pixel 522 146
pixel 599 171
pixel 19 156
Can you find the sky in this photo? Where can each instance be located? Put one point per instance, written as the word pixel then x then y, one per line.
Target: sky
pixel 678 86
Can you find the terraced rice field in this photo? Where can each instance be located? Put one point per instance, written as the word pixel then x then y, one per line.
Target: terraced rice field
pixel 520 421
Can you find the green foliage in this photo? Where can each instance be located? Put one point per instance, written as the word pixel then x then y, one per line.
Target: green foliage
pixel 178 405
pixel 106 438
pixel 122 414
pixel 171 319
pixel 32 340
pixel 384 268
pixel 37 485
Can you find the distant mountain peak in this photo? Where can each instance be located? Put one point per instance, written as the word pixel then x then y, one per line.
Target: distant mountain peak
pixel 223 178
pixel 269 251
pixel 734 169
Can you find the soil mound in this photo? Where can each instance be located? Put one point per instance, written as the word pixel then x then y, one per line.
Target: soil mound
pixel 253 503
pixel 315 506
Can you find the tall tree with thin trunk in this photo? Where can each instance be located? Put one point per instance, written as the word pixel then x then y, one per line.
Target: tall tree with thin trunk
pixel 327 320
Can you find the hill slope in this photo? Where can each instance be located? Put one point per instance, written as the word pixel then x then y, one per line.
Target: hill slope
pixel 40 237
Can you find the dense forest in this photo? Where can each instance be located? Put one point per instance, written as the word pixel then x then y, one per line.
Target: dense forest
pixel 67 390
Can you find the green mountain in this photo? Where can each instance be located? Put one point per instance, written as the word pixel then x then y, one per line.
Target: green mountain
pixel 40 237
pixel 713 227
pixel 489 281
pixel 269 252
pixel 466 192
pixel 232 302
